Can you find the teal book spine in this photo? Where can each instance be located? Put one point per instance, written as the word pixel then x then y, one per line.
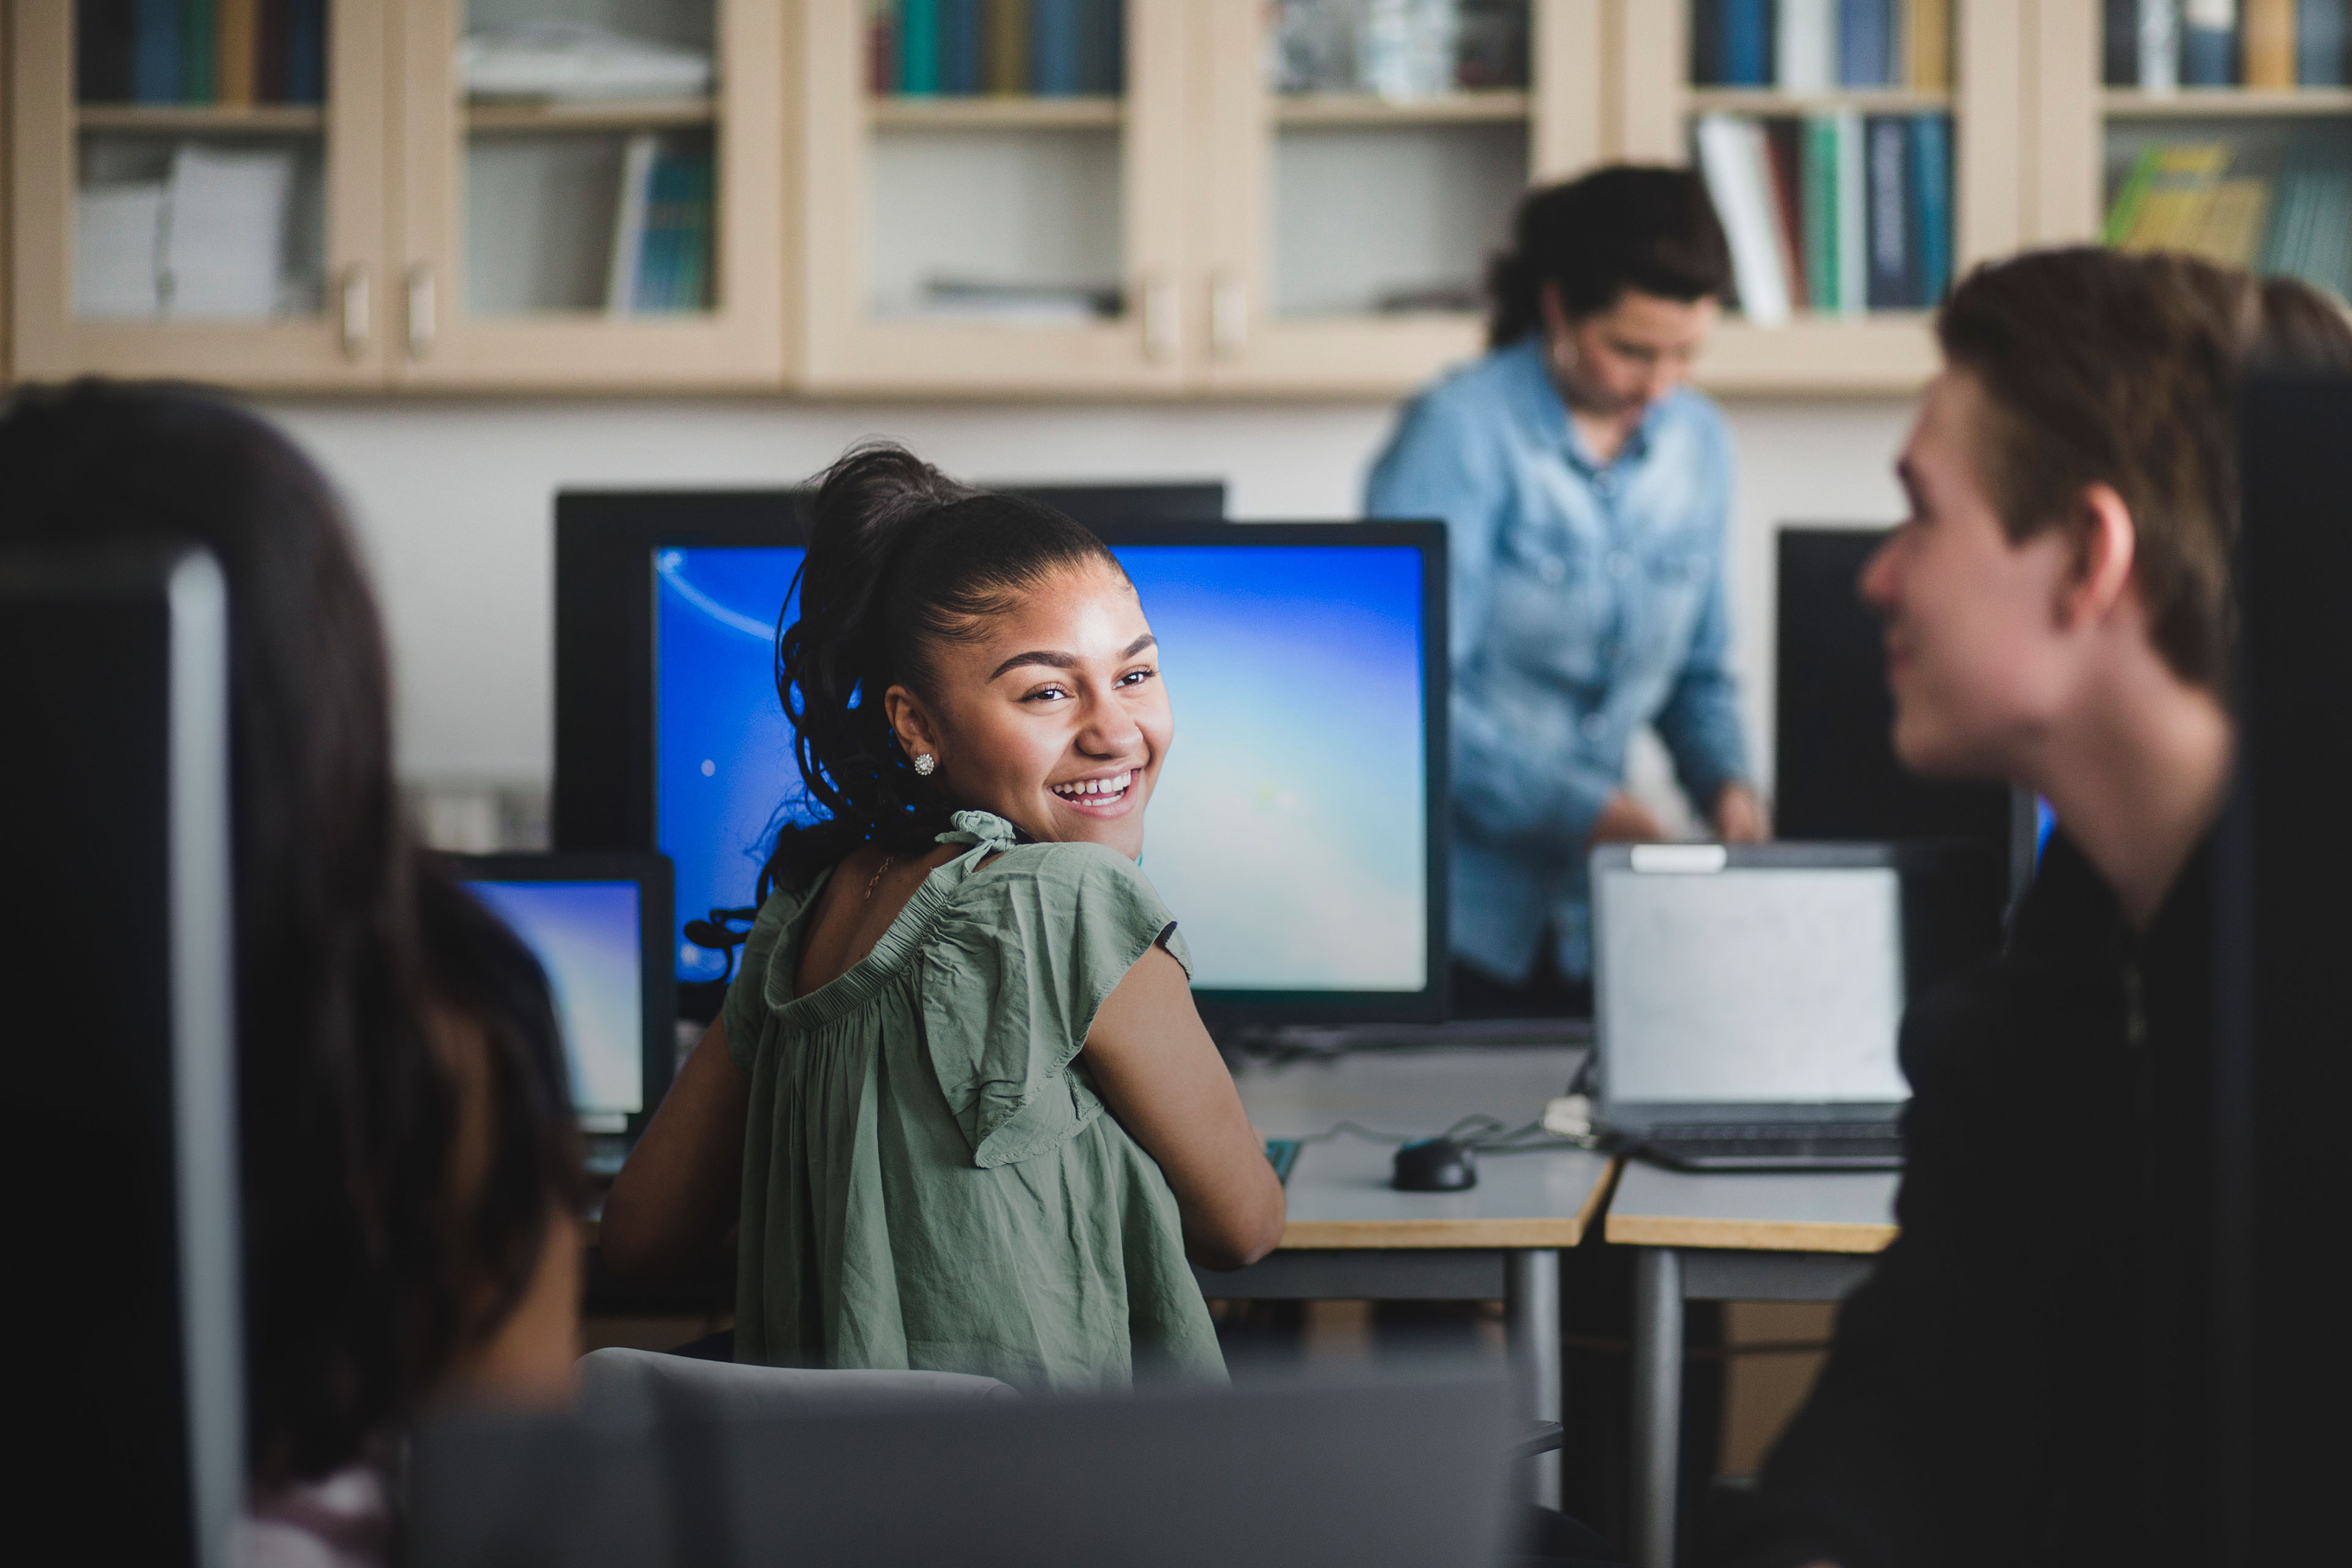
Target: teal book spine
pixel 918 48
pixel 1820 208
pixel 197 27
pixel 1931 156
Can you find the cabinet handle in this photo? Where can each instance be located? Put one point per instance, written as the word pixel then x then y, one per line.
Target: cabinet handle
pixel 1162 339
pixel 1228 315
pixel 355 310
pixel 420 310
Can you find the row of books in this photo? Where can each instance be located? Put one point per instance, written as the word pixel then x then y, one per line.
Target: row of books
pixel 1814 46
pixel 2159 45
pixel 206 239
pixel 228 52
pixel 1052 49
pixel 1837 212
pixel 1398 48
pixel 661 230
pixel 2244 206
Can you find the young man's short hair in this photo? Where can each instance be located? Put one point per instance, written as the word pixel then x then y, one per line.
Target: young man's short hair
pixel 2103 368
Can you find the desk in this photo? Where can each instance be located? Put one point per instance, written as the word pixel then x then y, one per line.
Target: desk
pixel 1783 1236
pixel 1351 1237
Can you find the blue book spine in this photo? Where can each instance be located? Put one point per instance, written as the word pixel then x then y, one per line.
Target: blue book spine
pixel 1865 43
pixel 1053 46
pixel 2209 56
pixel 2322 37
pixel 1107 50
pixel 918 48
pixel 1747 32
pixel 306 51
pixel 155 56
pixel 960 47
pixel 1887 205
pixel 1931 194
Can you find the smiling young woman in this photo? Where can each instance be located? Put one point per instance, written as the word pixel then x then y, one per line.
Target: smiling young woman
pixel 957 971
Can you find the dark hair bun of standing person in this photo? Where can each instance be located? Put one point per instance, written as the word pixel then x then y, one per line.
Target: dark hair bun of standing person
pixel 1624 227
pixel 901 558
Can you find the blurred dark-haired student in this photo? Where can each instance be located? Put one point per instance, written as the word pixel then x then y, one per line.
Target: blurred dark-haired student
pixel 1586 489
pixel 2018 1380
pixel 959 1107
pixel 409 1165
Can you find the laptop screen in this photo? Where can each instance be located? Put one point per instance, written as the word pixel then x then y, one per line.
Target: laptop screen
pixel 1763 984
pixel 588 936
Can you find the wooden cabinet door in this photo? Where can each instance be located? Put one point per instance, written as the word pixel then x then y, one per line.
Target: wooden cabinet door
pixel 134 240
pixel 515 214
pixel 1323 210
pixel 1008 243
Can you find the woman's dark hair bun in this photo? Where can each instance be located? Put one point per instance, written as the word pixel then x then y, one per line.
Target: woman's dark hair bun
pixel 901 558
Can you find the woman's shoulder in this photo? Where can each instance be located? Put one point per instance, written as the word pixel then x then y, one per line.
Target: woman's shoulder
pixel 1064 879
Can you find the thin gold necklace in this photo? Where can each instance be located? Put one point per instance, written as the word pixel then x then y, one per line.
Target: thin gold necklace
pixel 881 871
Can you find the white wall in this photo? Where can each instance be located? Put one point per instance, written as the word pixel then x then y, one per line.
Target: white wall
pixel 455 502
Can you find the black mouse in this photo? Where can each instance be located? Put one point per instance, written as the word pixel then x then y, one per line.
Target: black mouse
pixel 1435 1165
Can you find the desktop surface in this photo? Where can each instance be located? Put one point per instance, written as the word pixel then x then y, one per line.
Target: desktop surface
pixel 1290 832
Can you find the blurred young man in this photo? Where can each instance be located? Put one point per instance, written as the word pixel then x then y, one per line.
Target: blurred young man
pixel 2018 1382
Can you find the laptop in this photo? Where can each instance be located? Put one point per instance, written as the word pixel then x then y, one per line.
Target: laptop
pixel 1747 999
pixel 1404 1468
pixel 599 924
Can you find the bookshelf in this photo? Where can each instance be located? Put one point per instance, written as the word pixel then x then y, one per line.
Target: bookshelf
pixel 1355 185
pixel 582 210
pixel 1247 198
pixel 1788 104
pixel 184 217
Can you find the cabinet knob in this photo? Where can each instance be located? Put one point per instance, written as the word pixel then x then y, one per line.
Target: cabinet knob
pixel 420 310
pixel 355 310
pixel 1162 337
pixel 1228 315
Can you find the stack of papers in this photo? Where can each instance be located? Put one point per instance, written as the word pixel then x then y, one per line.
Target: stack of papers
pixel 562 59
pixel 207 242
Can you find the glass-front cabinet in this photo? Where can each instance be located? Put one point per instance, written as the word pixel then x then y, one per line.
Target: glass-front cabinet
pixel 589 193
pixel 991 194
pixel 1361 161
pixel 198 187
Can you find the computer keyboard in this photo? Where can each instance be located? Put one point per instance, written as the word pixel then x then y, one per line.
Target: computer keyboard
pixel 1775 1146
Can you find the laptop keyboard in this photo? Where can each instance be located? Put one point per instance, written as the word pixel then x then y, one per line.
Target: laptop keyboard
pixel 1862 1145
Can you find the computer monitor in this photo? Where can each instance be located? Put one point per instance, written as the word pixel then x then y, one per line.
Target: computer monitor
pixel 116 954
pixel 1835 775
pixel 1297 832
pixel 600 926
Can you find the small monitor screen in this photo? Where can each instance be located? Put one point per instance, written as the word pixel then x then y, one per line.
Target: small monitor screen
pixel 1287 833
pixel 1781 985
pixel 589 937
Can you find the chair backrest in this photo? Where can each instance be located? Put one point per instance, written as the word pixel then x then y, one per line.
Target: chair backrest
pixel 624 1380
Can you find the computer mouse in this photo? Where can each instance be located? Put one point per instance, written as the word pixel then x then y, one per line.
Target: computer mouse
pixel 1435 1165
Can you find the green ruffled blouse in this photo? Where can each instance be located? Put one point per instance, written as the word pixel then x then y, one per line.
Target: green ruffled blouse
pixel 929 1180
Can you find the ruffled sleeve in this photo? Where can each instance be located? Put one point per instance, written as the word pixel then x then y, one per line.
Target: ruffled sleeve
pixel 1018 966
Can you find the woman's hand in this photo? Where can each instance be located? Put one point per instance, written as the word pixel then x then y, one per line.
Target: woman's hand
pixel 1624 820
pixel 1739 816
pixel 1161 1077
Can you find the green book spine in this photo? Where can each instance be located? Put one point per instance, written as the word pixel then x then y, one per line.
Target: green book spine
pixel 1820 209
pixel 2130 196
pixel 918 48
pixel 197 25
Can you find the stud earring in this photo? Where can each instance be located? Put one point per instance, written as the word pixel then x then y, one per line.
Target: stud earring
pixel 926 764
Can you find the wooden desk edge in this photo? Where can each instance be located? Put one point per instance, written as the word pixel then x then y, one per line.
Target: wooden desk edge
pixel 1746 1235
pixel 1565 1230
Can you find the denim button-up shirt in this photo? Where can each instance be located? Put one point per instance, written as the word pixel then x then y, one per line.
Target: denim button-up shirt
pixel 1587 600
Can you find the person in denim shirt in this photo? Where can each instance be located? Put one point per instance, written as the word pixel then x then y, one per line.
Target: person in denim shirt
pixel 1586 492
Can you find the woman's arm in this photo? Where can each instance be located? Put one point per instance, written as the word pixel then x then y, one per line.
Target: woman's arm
pixel 672 1202
pixel 1163 1079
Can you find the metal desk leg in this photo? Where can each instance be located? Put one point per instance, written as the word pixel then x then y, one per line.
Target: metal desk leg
pixel 1657 1403
pixel 1531 1298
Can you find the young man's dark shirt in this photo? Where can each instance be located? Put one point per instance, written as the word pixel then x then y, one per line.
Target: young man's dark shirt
pixel 2017 1384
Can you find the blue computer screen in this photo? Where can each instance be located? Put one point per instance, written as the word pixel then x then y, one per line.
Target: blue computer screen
pixel 1287 831
pixel 587 937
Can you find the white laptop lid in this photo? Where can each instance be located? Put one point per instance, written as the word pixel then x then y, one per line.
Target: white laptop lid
pixel 1750 978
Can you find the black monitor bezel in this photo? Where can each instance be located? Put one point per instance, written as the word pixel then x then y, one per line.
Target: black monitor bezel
pixel 656 917
pixel 605 761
